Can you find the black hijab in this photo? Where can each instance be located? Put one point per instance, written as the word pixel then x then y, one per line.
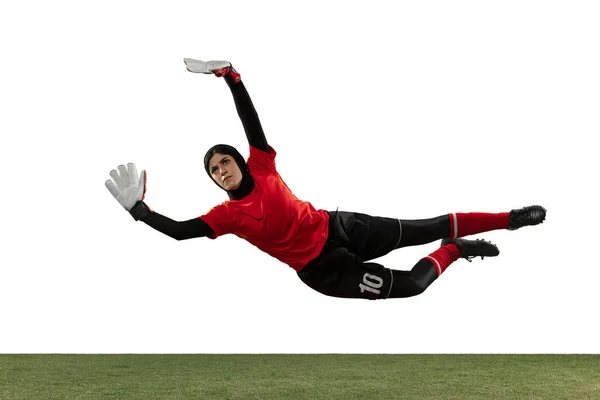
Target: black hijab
pixel 247 182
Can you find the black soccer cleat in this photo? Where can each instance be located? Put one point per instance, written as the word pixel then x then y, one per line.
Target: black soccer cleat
pixel 473 248
pixel 526 216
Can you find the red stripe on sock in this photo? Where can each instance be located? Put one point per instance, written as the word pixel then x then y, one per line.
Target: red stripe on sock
pixel 443 257
pixel 472 223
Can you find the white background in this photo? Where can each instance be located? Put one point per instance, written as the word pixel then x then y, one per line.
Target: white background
pixel 399 109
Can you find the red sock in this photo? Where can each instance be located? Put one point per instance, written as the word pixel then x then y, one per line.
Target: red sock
pixel 465 224
pixel 443 257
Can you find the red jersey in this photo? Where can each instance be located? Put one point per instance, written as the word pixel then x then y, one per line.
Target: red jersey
pixel 271 217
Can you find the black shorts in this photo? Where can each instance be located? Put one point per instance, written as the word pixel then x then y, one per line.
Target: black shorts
pixel 342 269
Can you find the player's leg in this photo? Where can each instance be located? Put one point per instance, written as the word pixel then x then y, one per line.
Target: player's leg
pixel 456 225
pixel 428 269
pixel 371 237
pixel 339 273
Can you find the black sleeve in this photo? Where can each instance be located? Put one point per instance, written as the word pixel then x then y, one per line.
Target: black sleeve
pixel 248 115
pixel 179 230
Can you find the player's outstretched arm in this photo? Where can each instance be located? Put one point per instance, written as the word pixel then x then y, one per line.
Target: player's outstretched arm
pixel 130 190
pixel 178 230
pixel 243 103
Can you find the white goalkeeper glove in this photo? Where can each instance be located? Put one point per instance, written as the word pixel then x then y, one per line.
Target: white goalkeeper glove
pixel 127 188
pixel 205 67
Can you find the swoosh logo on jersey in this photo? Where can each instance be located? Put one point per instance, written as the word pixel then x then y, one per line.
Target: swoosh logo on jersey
pixel 253 211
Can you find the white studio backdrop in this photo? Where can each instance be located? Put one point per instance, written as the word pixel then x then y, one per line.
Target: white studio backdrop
pixel 400 109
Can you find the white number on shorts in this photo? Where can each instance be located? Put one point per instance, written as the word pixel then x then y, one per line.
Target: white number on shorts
pixel 371 283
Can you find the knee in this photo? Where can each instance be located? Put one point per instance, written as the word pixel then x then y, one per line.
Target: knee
pixel 404 285
pixel 423 274
pixel 419 285
pixel 414 282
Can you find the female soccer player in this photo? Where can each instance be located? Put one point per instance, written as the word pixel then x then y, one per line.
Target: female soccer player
pixel 330 251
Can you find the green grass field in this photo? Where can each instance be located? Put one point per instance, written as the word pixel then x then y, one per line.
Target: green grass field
pixel 333 376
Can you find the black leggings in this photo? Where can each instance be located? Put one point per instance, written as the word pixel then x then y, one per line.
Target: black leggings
pixel 414 233
pixel 343 269
pixel 421 231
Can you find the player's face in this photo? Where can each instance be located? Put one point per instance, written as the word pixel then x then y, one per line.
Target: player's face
pixel 225 171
